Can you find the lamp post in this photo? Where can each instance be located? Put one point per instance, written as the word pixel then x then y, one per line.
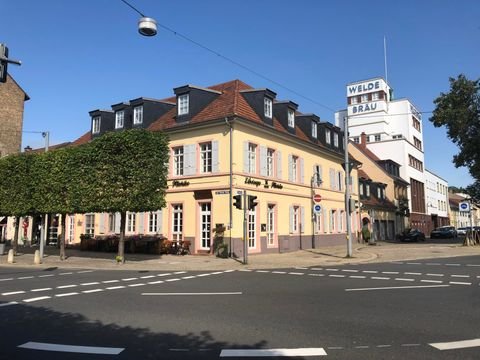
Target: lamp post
pixel 347 187
pixel 315 179
pixel 43 232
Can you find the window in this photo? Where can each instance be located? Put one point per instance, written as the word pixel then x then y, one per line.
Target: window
pixel 111 223
pixel 318 223
pixel 375 96
pixel 354 100
pixel 291 118
pixel 339 181
pixel 317 176
pixel 314 129
pixel 206 157
pixel 119 119
pixel 90 224
pixel 378 137
pixel 356 140
pixel 417 143
pixel 415 163
pixel 267 107
pixel 131 222
pixel 328 136
pixel 252 158
pixel 367 188
pixel 183 104
pixel 177 222
pixel 205 225
pixel 340 221
pixel 295 219
pixel 335 139
pixel 270 224
pixel 333 223
pixel 178 161
pixel 367 138
pixel 138 115
pixel 71 227
pixel 294 168
pixel 416 124
pixel 360 189
pixel 364 98
pixel 96 125
pixel 270 161
pixel 153 222
pixel 397 136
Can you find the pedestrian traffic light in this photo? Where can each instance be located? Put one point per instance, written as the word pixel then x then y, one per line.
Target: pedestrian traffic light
pixel 3 63
pixel 251 202
pixel 238 202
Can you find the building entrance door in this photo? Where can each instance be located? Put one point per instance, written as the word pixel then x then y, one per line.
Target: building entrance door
pixel 205 225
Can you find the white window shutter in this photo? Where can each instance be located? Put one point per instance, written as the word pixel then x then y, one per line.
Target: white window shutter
pixel 302 171
pixel 325 220
pixel 302 219
pixel 332 179
pixel 215 163
pixel 245 157
pixel 279 164
pixel 186 160
pixel 159 222
pixel 141 225
pixel 101 223
pixel 263 161
pixel 290 217
pixel 117 223
pixel 290 172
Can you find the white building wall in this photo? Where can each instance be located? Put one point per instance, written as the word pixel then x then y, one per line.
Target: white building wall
pixel 436 195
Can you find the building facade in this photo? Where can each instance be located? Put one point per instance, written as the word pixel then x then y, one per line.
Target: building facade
pixel 393 128
pixel 437 200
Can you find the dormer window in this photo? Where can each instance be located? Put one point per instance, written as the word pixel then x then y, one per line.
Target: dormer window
pixel 267 107
pixel 137 115
pixel 119 119
pixel 183 101
pixel 335 139
pixel 96 125
pixel 328 136
pixel 314 129
pixel 291 118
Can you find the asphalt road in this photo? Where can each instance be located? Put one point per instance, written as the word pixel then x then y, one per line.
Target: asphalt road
pixel 397 310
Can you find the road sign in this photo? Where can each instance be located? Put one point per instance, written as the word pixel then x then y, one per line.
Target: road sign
pixel 464 206
pixel 317 209
pixel 317 198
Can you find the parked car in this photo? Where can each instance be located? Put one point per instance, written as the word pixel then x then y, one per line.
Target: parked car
pixel 462 231
pixel 411 235
pixel 444 232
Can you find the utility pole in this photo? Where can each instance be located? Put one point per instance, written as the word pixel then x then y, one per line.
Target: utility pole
pixel 347 187
pixel 245 232
pixel 43 230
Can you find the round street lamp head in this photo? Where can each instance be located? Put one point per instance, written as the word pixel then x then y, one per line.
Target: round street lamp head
pixel 147 26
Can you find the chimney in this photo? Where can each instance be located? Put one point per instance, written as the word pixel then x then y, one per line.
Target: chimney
pixel 363 139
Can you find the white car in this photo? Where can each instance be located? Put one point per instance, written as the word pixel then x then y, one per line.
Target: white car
pixel 462 231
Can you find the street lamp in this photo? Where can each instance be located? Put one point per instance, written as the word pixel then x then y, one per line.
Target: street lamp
pixel 347 187
pixel 316 179
pixel 147 26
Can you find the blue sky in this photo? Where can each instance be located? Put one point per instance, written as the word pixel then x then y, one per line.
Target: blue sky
pixel 83 55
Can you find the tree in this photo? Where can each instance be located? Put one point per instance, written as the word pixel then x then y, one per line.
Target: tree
pixel 130 174
pixel 459 111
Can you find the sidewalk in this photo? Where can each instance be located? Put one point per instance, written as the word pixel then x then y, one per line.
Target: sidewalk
pixel 325 256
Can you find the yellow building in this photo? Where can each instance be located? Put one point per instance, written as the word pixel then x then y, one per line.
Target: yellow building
pixel 231 139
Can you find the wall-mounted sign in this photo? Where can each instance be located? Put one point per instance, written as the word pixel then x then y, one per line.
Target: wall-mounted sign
pixel 367 87
pixel 317 209
pixel 464 206
pixel 317 198
pixel 266 183
pixel 180 183
pixel 222 192
pixel 359 109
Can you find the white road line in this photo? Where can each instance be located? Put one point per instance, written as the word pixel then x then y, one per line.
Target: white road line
pixel 459 283
pixel 362 347
pixel 404 279
pixel 296 273
pixel 116 287
pixel 435 274
pixel 110 281
pixel 166 274
pixel 228 271
pixel 9 303
pixel 301 268
pixel 379 278
pixel 383 346
pixel 66 273
pixel 169 280
pixel 192 294
pixel 349 270
pixel 390 272
pixel 433 264
pixel 43 289
pixel 456 344
pixel 472 265
pixel 201 275
pixel 245 270
pixel 263 271
pixel 91 291
pixel 65 286
pixel 396 262
pixel 42 276
pixel 432 281
pixel 316 275
pixel 188 277
pixel 37 299
pixel 414 263
pixel 135 285
pixel 332 269
pixel 90 283
pixel 370 271
pixel 272 352
pixel 214 273
pixel 147 277
pixel 397 287
pixel 412 273
pixel 129 279
pixel 317 269
pixel 6 279
pixel 335 348
pixel 460 276
pixel 13 293
pixel 72 348
pixel 357 277
pixel 279 272
pixel 337 276
pixel 406 345
pixel 155 282
pixel 25 277
pixel 84 271
pixel 452 264
pixel 67 294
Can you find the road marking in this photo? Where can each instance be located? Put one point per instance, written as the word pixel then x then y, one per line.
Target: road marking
pixel 247 270
pixel 110 281
pixel 432 281
pixel 201 275
pixel 43 289
pixel 279 272
pixel 192 294
pixel 263 271
pixel 115 287
pixel 184 272
pixel 25 277
pixel 13 293
pixel 357 277
pixel 362 347
pixel 337 276
pixel 71 348
pixel 155 282
pixel 67 294
pixel 349 270
pixel 459 283
pixel 227 271
pixel 383 346
pixel 90 283
pixel 398 287
pixel 433 264
pixel 188 277
pixel 390 272
pixel 166 274
pixel 147 277
pixel 396 262
pixel 413 273
pixel 129 279
pixel 66 273
pixel 472 265
pixel 301 268
pixel 452 264
pixel 317 269
pixel 379 278
pixel 460 276
pixel 9 303
pixel 404 279
pixel 316 274
pixel 414 263
pixel 6 279
pixel 435 275
pixel 273 352
pixel 296 273
pixel 136 285
pixel 410 345
pixel 42 276
pixel 66 286
pixel 84 271
pixel 169 280
pixel 37 299
pixel 91 291
pixel 370 271
pixel 334 347
pixel 456 344
pixel 331 269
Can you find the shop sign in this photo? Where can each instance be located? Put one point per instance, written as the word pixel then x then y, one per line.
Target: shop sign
pixel 266 184
pixel 180 183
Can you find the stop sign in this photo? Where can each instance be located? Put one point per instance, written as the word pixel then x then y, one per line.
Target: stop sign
pixel 317 198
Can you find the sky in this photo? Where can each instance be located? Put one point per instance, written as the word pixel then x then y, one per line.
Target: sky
pixel 79 56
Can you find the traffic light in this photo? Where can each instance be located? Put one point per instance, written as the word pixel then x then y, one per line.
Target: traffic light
pixel 353 205
pixel 238 202
pixel 251 202
pixel 3 63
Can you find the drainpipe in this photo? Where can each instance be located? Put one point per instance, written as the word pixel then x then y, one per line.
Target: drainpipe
pixel 230 207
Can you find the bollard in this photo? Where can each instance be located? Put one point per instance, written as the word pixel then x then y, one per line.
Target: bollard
pixel 10 256
pixel 36 258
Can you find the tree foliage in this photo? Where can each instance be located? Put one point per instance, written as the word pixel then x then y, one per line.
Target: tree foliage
pixel 459 111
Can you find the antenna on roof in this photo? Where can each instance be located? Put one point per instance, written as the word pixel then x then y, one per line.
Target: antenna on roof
pixel 385 57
